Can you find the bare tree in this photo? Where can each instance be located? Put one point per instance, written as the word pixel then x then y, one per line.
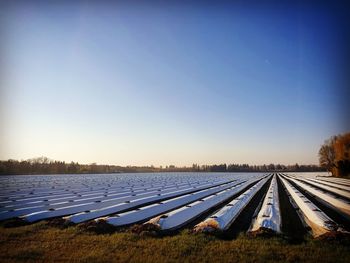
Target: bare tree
pixel 327 155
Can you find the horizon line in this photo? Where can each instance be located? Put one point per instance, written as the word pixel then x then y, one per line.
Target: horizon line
pixel 160 166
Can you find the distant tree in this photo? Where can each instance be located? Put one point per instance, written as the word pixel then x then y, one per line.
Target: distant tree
pixel 73 168
pixel 44 165
pixel 271 167
pixel 326 154
pixel 278 167
pixel 334 155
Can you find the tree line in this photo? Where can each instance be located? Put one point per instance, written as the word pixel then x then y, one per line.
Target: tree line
pixel 334 155
pixel 44 165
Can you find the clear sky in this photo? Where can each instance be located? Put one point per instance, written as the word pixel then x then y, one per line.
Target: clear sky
pixel 142 84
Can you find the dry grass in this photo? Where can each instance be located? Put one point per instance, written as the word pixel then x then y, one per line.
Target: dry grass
pixel 44 243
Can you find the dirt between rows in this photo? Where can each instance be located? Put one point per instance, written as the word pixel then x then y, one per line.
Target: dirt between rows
pixel 292 227
pixel 244 220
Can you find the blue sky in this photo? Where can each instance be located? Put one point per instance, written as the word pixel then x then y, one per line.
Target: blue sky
pixel 169 84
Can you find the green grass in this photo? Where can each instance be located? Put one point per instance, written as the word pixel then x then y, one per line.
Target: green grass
pixel 43 243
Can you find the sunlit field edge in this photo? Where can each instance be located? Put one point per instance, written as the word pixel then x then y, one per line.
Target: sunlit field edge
pixel 41 242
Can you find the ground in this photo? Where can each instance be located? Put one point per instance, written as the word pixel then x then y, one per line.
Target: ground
pixel 42 242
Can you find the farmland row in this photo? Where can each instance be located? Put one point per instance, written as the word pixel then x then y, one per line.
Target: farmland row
pixel 223 203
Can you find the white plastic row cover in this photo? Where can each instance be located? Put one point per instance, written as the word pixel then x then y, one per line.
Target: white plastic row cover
pixel 185 214
pixel 223 219
pixel 317 220
pixel 146 212
pixel 269 215
pixel 329 199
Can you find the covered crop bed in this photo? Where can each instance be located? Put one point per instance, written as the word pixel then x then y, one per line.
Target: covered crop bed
pixel 167 202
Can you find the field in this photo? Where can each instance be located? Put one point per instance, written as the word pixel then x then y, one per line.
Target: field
pixel 165 217
pixel 42 243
